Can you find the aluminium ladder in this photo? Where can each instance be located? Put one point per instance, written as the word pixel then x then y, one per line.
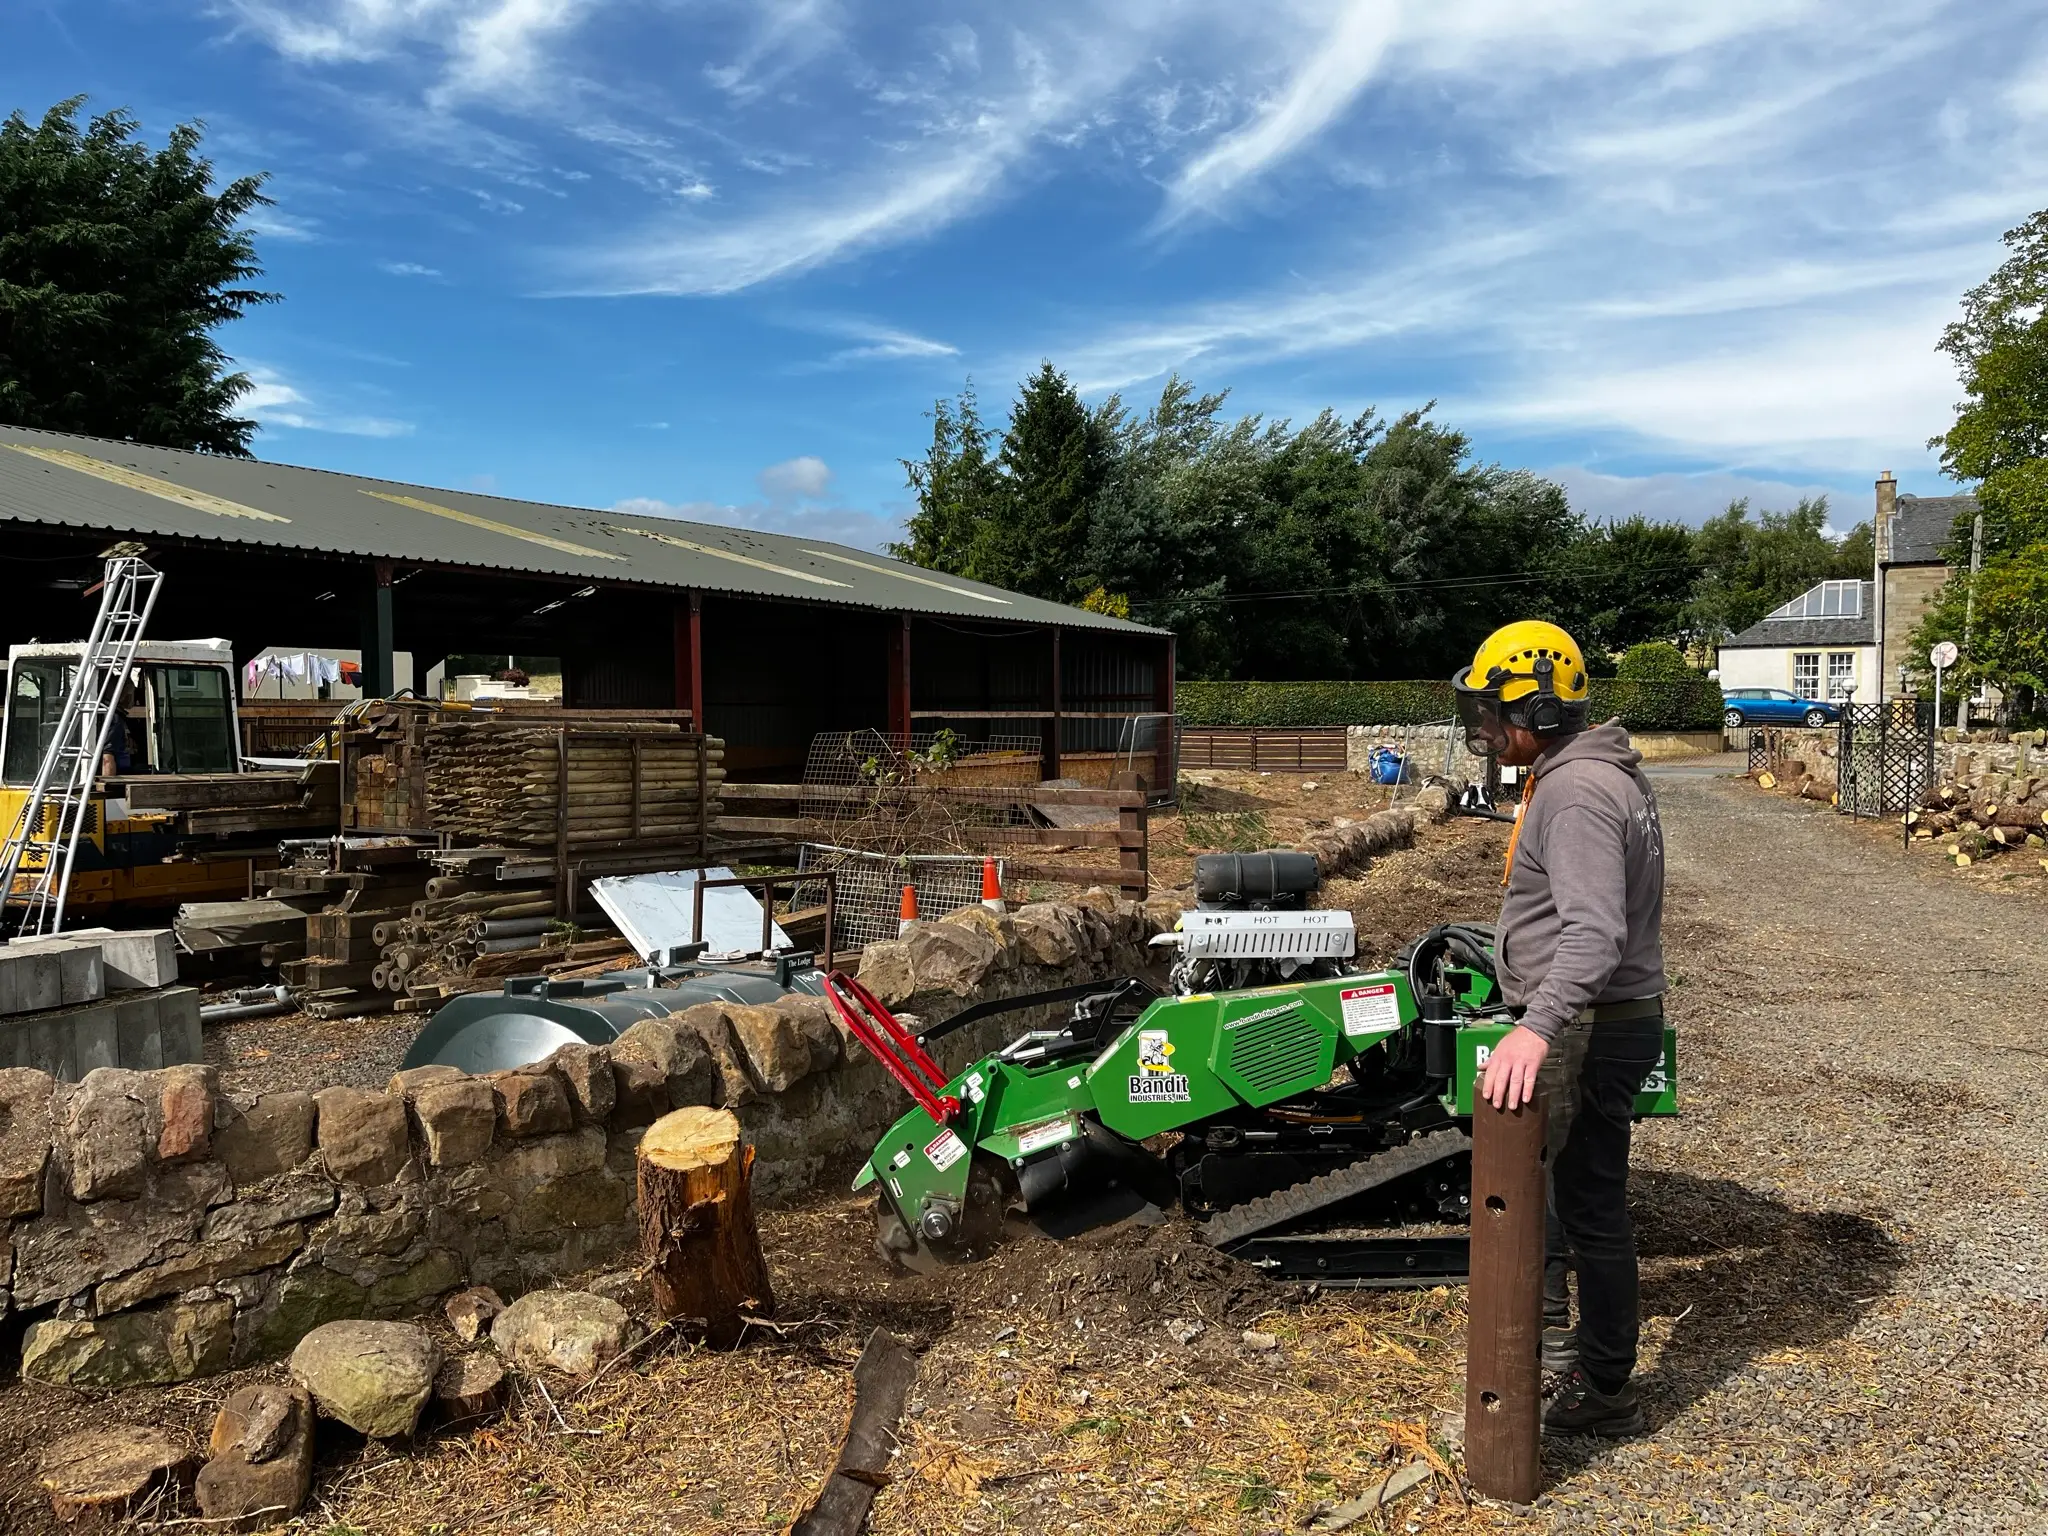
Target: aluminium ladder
pixel 62 794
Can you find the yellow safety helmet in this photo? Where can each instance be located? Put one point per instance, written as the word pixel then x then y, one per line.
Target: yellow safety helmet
pixel 1529 674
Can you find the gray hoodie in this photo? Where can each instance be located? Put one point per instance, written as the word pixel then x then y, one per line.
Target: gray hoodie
pixel 1585 901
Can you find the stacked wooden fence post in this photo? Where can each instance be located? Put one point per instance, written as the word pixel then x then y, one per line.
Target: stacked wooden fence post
pixel 1504 1305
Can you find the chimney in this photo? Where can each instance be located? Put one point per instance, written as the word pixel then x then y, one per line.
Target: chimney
pixel 1887 508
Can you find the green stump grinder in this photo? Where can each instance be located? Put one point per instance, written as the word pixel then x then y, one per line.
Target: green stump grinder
pixel 1314 1119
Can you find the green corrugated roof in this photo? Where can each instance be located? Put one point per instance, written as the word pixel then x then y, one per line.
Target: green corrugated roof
pixel 59 480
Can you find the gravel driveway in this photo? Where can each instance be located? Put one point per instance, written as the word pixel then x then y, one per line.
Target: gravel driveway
pixel 1845 1264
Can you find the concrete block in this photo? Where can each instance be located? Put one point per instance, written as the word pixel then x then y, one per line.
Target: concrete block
pixel 140 1034
pixel 95 1037
pixel 82 975
pixel 29 980
pixel 135 957
pixel 49 1045
pixel 177 1023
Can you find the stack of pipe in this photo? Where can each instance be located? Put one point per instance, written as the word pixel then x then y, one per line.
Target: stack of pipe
pixel 444 931
pixel 501 782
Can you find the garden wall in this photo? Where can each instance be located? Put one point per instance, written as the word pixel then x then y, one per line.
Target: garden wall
pixel 156 1230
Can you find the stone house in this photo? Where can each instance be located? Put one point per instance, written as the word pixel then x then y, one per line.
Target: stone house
pixel 1820 645
pixel 1912 532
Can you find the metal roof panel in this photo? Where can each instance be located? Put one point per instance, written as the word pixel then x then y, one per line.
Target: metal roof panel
pixel 60 480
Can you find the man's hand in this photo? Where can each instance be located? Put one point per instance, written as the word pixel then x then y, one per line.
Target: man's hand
pixel 1510 1080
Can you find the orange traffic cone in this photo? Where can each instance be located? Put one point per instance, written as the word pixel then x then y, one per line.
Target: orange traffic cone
pixel 909 908
pixel 991 886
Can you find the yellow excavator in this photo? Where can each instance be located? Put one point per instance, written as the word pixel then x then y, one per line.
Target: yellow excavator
pixel 176 812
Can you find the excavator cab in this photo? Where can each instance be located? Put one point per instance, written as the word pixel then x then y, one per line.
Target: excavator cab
pixel 172 752
pixel 177 710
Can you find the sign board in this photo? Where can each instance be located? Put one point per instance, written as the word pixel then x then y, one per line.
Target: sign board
pixel 1943 655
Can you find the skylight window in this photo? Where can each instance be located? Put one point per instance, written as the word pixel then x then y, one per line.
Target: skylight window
pixel 1829 600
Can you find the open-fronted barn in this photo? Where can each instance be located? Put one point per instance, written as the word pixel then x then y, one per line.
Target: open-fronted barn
pixel 767 639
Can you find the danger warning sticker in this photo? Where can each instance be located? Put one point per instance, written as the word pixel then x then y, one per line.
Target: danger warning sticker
pixel 944 1150
pixel 1370 1010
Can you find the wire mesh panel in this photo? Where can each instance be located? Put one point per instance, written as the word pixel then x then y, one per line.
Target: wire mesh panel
pixel 860 787
pixel 1885 756
pixel 871 887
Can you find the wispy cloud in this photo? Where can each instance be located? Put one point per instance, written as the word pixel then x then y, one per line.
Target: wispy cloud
pixel 279 225
pixel 485 45
pixel 1339 61
pixel 274 402
pixel 786 35
pixel 873 343
pixel 407 269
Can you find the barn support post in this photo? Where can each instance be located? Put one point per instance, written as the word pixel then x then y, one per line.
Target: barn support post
pixel 899 677
pixel 1165 760
pixel 380 672
pixel 1049 752
pixel 689 690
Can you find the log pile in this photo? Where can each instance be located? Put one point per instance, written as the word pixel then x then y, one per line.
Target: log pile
pixel 469 836
pixel 507 782
pixel 1997 813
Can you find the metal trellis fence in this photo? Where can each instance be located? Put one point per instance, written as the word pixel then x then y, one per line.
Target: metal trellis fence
pixel 1885 756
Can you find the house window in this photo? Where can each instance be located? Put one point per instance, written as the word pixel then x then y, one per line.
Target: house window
pixel 1841 673
pixel 1806 674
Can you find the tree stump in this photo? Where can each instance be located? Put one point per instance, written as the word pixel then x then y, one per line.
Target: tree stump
pixel 697 1223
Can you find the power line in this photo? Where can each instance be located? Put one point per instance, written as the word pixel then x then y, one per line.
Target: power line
pixel 1355 589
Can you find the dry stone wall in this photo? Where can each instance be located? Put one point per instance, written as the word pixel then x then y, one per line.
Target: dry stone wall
pixel 154 1229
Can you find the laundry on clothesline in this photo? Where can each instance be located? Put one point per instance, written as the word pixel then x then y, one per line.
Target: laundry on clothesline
pixel 300 667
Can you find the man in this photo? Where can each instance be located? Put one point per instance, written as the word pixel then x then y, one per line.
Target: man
pixel 1580 960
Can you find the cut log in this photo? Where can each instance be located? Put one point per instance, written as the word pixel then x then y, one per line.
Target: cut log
pixel 882 1378
pixel 103 1472
pixel 697 1231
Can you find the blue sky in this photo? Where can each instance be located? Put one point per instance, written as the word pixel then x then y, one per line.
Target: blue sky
pixel 719 258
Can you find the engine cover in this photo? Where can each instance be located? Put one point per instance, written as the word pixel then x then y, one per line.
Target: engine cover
pixel 1267 936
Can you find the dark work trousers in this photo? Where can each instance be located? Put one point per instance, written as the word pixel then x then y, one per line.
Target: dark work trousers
pixel 1591 1076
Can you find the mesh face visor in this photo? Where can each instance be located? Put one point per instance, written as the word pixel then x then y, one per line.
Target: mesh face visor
pixel 1484 716
pixel 1480 716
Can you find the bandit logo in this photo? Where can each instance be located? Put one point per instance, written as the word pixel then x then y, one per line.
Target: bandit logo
pixel 1154 1049
pixel 1159 1088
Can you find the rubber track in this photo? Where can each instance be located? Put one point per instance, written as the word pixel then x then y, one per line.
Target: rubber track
pixel 1298 1200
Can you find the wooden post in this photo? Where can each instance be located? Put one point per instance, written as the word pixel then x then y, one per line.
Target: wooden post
pixel 1504 1304
pixel 882 1379
pixel 1134 853
pixel 697 1234
pixel 899 678
pixel 1049 749
pixel 563 902
pixel 689 663
pixel 1165 760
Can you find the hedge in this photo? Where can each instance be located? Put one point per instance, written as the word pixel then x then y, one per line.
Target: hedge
pixel 1692 705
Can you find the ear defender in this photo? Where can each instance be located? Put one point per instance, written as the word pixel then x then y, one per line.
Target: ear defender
pixel 1543 709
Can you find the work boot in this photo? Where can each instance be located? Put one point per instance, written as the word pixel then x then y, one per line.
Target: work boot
pixel 1560 1352
pixel 1580 1408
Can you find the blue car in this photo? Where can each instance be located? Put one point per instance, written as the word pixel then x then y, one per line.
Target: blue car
pixel 1776 706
